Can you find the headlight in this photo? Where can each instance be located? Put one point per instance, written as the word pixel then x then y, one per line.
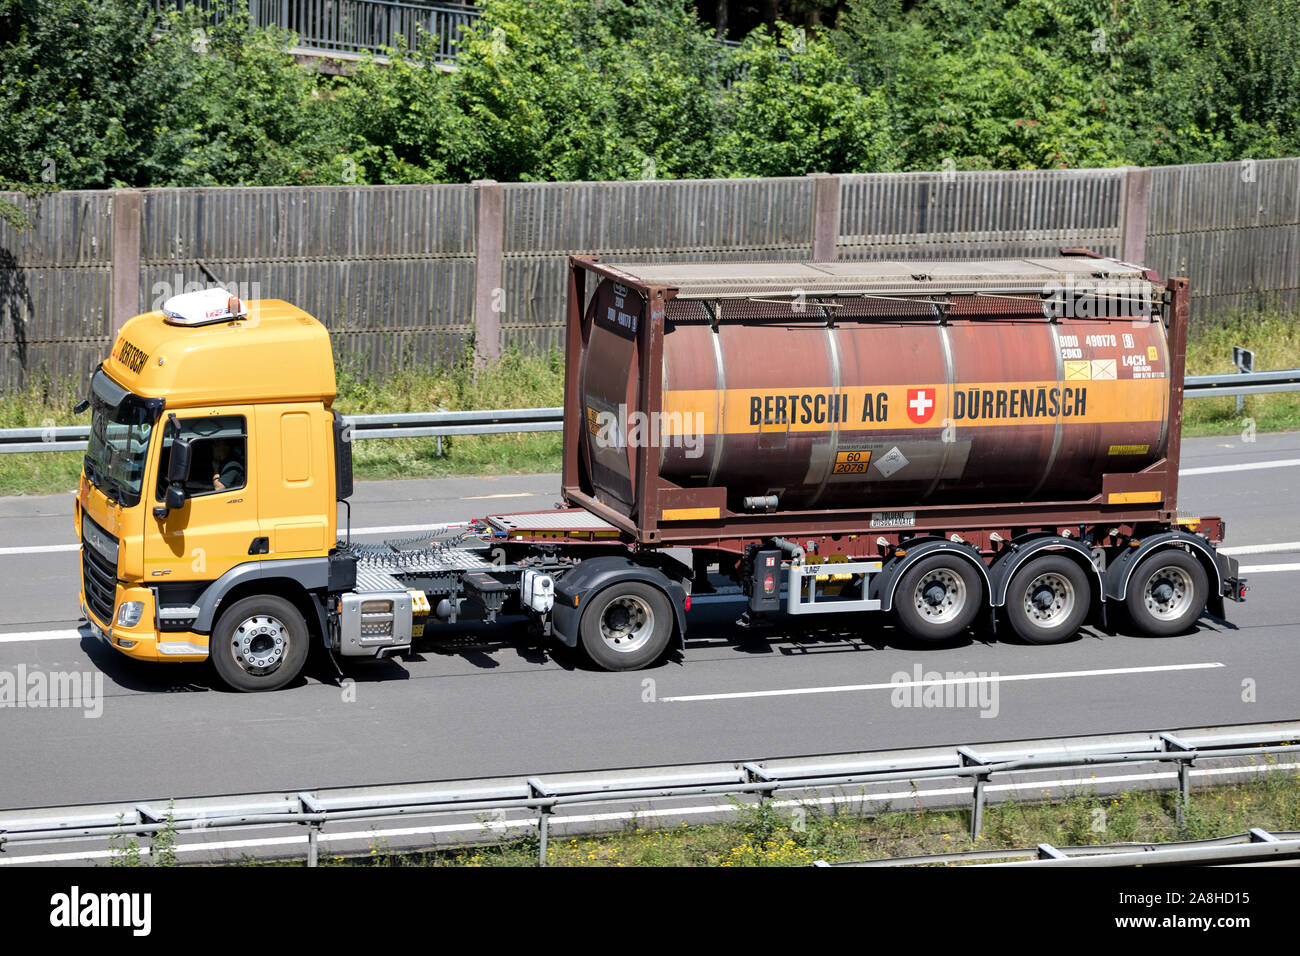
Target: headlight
pixel 128 615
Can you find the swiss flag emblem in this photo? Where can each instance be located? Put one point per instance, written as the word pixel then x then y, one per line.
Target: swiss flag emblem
pixel 920 404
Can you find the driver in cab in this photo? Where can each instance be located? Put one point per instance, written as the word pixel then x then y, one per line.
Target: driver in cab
pixel 227 468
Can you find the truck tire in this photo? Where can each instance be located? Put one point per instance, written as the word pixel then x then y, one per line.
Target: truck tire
pixel 1048 599
pixel 259 643
pixel 937 598
pixel 626 626
pixel 1167 593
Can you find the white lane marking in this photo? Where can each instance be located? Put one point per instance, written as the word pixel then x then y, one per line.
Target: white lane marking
pixel 514 494
pixel 634 815
pixel 1262 548
pixel 1244 466
pixel 23 637
pixel 40 549
pixel 1265 568
pixel 991 679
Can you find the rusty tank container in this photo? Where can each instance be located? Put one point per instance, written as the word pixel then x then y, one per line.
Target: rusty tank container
pixel 869 385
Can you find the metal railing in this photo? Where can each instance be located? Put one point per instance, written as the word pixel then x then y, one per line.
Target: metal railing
pixel 1242 383
pixel 438 424
pixel 516 420
pixel 350 26
pixel 1254 846
pixel 544 795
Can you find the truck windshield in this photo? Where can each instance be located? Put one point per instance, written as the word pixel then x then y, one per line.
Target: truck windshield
pixel 120 427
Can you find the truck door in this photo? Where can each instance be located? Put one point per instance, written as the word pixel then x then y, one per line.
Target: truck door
pixel 218 526
pixel 297 510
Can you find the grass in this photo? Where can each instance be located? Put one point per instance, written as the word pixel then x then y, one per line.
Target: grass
pixel 519 381
pixel 516 381
pixel 1275 341
pixel 774 836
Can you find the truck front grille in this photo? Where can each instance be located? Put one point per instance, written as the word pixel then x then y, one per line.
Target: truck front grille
pixel 99 580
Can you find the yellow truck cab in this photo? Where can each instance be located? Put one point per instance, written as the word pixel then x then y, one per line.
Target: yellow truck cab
pixel 208 510
pixel 206 506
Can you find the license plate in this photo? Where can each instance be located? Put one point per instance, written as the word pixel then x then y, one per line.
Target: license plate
pixel 98 631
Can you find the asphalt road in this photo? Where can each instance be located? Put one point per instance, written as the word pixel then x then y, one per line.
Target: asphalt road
pixel 486 701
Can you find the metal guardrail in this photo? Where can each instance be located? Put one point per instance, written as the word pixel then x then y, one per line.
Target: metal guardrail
pixel 401 425
pixel 1254 846
pixel 545 794
pixel 514 420
pixel 1242 383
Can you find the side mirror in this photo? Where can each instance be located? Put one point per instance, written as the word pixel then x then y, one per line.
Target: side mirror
pixel 178 470
pixel 175 497
pixel 178 466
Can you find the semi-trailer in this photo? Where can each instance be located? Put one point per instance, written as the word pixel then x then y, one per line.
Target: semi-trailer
pixel 948 441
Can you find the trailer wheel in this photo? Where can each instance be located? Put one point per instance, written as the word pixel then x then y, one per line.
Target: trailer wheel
pixel 937 598
pixel 1048 599
pixel 259 643
pixel 626 626
pixel 1167 593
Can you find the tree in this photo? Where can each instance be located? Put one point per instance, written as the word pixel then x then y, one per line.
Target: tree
pixel 97 94
pixel 573 90
pixel 81 90
pixel 244 112
pixel 793 109
pixel 403 124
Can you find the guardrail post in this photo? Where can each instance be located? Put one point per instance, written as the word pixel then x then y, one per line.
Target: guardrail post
pixel 756 774
pixel 1174 745
pixel 489 207
pixel 544 811
pixel 309 804
pixel 970 759
pixel 146 816
pixel 1244 359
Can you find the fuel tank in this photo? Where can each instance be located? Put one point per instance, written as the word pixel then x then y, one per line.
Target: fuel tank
pixel 880 385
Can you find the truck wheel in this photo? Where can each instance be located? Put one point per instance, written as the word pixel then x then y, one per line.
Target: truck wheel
pixel 626 626
pixel 1167 593
pixel 937 598
pixel 259 643
pixel 1048 599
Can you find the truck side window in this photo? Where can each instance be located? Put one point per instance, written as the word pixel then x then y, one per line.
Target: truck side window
pixel 220 454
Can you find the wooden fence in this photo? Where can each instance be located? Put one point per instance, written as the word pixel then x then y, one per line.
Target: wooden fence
pixel 410 274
